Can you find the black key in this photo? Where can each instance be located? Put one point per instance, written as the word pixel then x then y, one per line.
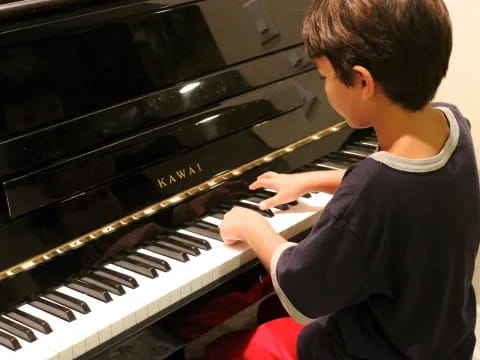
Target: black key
pixel 168 252
pixel 123 279
pixel 267 213
pixel 228 207
pixel 190 240
pixel 283 207
pixel 351 154
pixel 137 267
pixel 207 225
pixel 342 158
pixel 316 166
pixel 255 199
pixel 366 144
pixel 68 301
pixel 369 137
pixel 222 210
pixel 329 165
pixel 17 329
pixel 104 283
pixel 356 151
pixel 258 200
pixel 205 232
pixel 9 341
pixel 54 309
pixel 307 196
pixel 177 245
pixel 264 194
pixel 90 290
pixel 225 207
pixel 159 264
pixel 218 215
pixel 31 321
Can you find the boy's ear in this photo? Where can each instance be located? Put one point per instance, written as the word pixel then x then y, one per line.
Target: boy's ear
pixel 364 79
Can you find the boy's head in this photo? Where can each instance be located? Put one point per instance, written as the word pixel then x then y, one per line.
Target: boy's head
pixel 404 45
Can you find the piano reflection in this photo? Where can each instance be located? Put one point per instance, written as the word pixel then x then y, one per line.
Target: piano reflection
pixel 128 129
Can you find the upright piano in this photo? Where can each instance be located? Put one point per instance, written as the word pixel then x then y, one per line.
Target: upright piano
pixel 128 128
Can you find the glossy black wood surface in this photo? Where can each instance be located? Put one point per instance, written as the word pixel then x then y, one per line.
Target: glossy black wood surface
pixel 99 110
pixel 60 70
pixel 34 190
pixel 76 85
pixel 24 10
pixel 48 144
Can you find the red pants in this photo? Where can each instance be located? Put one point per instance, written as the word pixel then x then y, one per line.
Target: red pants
pixel 273 340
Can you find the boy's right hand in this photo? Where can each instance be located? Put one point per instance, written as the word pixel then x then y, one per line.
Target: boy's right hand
pixel 289 187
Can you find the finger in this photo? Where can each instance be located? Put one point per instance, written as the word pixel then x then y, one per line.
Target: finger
pixel 230 241
pixel 262 183
pixel 255 185
pixel 226 237
pixel 271 202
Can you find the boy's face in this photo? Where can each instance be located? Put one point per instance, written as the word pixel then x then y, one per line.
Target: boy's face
pixel 347 101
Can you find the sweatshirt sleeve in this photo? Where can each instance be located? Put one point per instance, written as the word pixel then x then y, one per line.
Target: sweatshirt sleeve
pixel 325 272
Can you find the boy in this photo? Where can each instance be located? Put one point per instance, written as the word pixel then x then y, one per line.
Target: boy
pixel 386 272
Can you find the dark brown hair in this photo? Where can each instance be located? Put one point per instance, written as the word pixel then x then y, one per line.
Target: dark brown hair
pixel 405 44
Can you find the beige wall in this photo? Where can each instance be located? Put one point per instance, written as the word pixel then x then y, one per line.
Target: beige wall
pixel 462 84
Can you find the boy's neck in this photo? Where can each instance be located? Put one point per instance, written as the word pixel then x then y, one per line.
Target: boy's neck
pixel 413 135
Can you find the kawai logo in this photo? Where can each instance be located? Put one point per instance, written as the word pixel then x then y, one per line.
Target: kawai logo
pixel 179 175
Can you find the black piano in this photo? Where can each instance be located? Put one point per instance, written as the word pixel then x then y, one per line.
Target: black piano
pixel 128 129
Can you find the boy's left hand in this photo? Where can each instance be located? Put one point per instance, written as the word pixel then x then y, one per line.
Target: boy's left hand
pixel 239 222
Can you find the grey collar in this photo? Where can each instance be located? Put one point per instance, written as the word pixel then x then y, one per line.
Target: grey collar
pixel 429 164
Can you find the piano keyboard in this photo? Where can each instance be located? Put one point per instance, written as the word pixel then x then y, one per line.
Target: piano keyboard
pixel 84 313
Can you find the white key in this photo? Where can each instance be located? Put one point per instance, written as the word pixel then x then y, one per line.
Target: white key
pixel 147 292
pixel 97 324
pixel 60 338
pixel 174 284
pixel 223 259
pixel 37 349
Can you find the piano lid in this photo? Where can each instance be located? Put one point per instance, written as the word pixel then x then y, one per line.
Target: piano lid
pixel 32 10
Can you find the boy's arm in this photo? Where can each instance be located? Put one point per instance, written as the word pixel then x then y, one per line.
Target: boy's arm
pixel 264 241
pixel 290 187
pixel 331 257
pixel 325 181
pixel 326 271
pixel 241 224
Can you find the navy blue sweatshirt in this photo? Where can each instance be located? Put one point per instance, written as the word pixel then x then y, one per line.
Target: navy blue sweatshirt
pixel 386 272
